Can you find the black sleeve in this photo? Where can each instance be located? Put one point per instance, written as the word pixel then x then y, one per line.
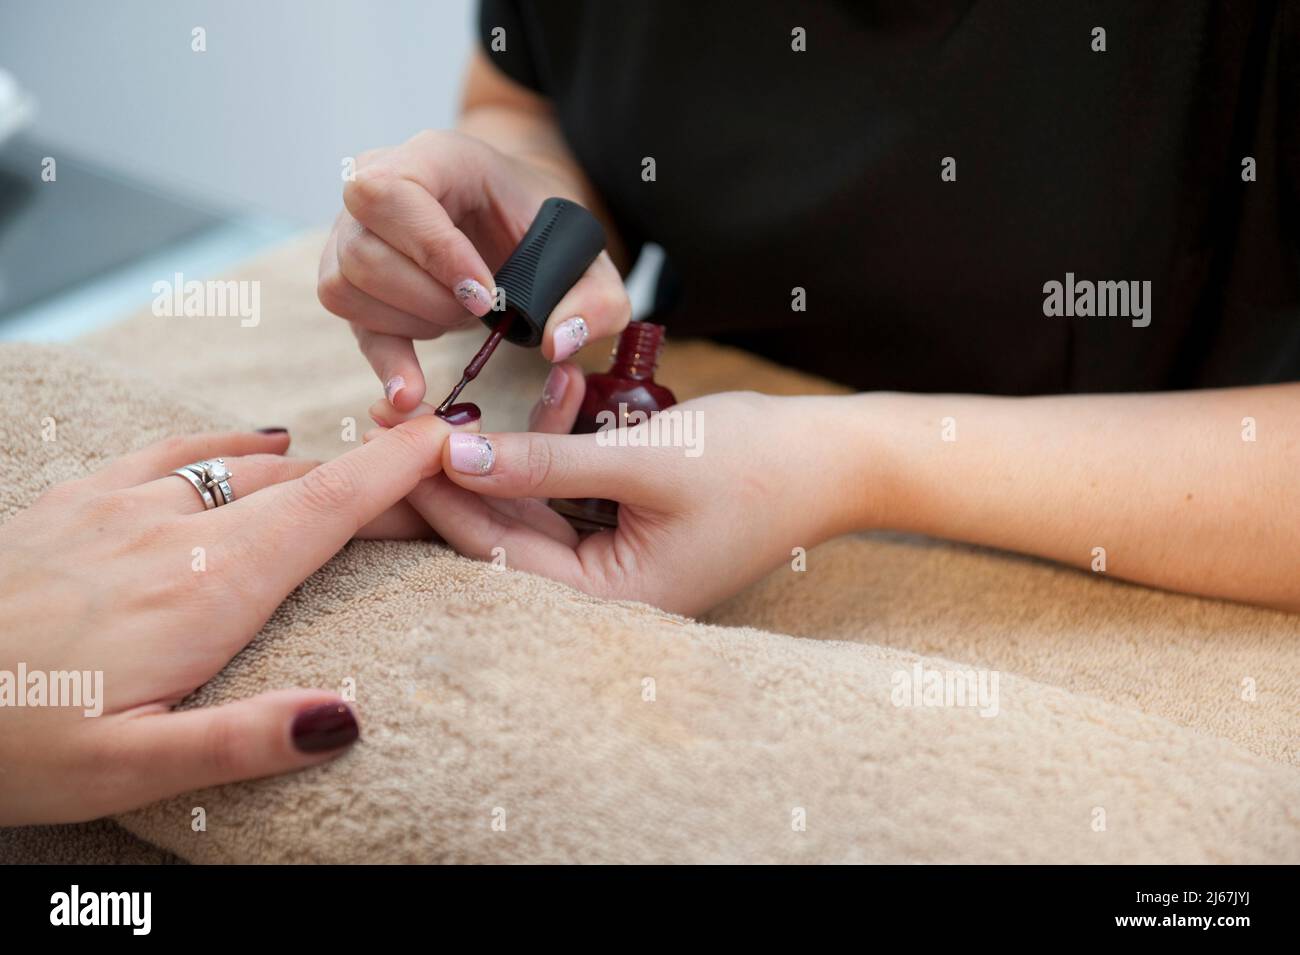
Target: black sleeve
pixel 1289 109
pixel 504 34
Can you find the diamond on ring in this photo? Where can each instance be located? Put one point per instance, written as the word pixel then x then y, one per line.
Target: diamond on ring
pixel 211 479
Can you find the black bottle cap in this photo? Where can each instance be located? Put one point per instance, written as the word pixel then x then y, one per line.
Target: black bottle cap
pixel 557 248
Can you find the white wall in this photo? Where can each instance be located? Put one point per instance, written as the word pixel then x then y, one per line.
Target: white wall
pixel 262 120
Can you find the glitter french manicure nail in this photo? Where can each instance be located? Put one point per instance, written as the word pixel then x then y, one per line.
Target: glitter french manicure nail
pixel 392 386
pixel 557 383
pixel 474 296
pixel 471 453
pixel 570 335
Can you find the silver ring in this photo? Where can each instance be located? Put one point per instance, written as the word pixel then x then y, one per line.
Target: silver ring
pixel 217 477
pixel 227 492
pixel 214 478
pixel 208 502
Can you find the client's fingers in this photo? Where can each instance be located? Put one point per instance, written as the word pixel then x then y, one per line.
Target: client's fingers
pixel 174 494
pixel 462 416
pixel 555 411
pixel 163 754
pixel 384 414
pixel 159 458
pixel 321 511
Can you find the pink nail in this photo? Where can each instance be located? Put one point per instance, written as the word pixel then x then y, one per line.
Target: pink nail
pixel 474 297
pixel 570 335
pixel 471 453
pixel 557 383
pixel 393 386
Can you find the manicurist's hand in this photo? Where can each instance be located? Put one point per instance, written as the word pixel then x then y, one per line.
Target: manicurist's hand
pixel 1151 488
pixel 124 573
pixel 426 223
pixel 692 530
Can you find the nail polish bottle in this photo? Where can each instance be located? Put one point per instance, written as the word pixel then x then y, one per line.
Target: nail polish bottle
pixel 610 399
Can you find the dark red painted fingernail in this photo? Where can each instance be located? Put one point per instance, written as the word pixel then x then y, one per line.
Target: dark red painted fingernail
pixel 272 430
pixel 325 727
pixel 457 415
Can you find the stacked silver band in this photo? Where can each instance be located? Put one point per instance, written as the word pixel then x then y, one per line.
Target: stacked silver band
pixel 211 479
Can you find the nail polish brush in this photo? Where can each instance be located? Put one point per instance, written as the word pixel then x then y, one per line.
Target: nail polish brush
pixel 563 240
pixel 477 362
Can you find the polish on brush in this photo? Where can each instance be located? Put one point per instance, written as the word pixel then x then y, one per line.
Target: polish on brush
pixel 562 241
pixel 477 362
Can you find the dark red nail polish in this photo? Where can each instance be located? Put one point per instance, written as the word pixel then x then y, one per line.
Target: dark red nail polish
pixel 465 413
pixel 325 727
pixel 628 386
pixel 272 430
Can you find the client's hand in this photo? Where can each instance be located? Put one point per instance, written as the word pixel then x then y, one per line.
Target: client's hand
pixel 125 574
pixel 693 527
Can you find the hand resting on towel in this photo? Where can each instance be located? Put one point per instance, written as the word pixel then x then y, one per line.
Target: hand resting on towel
pixel 122 595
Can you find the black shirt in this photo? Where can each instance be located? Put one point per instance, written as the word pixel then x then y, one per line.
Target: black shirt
pixel 821 169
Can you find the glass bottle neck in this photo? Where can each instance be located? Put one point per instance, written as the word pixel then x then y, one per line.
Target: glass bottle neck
pixel 637 353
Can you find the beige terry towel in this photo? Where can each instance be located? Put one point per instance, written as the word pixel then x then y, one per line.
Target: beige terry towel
pixel 507 718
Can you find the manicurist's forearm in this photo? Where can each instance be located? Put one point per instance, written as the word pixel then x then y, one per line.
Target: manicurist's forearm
pixel 522 124
pixel 1191 491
